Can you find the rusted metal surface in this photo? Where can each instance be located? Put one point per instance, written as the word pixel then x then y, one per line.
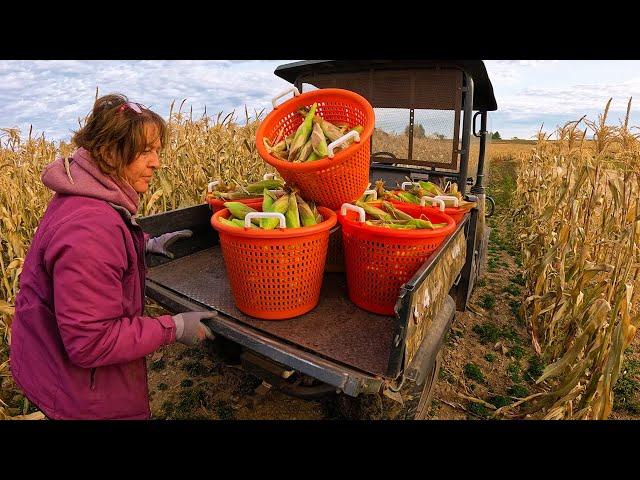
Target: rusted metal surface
pixel 336 329
pixel 427 300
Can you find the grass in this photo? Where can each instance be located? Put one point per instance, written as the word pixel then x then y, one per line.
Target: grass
pixel 488 301
pixel 535 369
pixel 490 357
pixel 158 365
pixel 517 390
pixel 473 372
pixel 196 369
pixel 499 401
pixel 627 389
pixel 514 372
pixel 517 352
pixel 512 290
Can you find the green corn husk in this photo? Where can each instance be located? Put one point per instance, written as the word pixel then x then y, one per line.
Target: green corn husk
pixel 240 223
pixel 315 211
pixel 395 212
pixel 258 187
pixel 228 196
pixel 314 156
pixel 304 152
pixel 302 133
pixel 431 188
pixel 228 223
pixel 292 214
pixel 318 141
pixel 374 211
pixel 307 217
pixel 358 128
pixel 287 142
pixel 405 226
pixel 440 225
pixel 409 198
pixel 280 205
pixel 329 129
pixel 420 223
pixel 281 146
pixel 268 199
pixel 238 209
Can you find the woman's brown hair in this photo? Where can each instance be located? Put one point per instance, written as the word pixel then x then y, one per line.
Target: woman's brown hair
pixel 114 133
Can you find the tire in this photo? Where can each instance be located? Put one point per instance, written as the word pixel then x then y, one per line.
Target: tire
pixel 422 411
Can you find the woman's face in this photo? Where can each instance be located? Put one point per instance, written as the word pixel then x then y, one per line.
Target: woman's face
pixel 140 172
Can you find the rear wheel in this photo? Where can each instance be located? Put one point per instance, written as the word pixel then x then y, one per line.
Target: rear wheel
pixel 422 411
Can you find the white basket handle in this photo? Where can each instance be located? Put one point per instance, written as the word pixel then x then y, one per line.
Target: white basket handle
pixel 249 216
pixel 295 91
pixel 434 201
pixel 211 185
pixel 347 206
pixel 371 192
pixel 449 197
pixel 341 140
pixel 269 176
pixel 404 184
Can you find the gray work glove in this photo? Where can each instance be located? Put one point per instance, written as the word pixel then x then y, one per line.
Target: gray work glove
pixel 189 328
pixel 160 243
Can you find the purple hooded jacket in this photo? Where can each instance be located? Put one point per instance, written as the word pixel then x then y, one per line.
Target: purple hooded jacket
pixel 79 339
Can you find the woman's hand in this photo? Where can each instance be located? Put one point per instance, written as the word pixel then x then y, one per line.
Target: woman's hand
pixel 160 243
pixel 189 328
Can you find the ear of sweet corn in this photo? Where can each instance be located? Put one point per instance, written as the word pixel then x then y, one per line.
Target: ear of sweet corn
pixel 292 215
pixel 240 223
pixel 374 211
pixel 280 205
pixel 304 152
pixel 318 141
pixel 228 223
pixel 302 133
pixel 268 200
pixel 259 187
pixel 409 198
pixel 329 129
pixel 395 212
pixel 307 217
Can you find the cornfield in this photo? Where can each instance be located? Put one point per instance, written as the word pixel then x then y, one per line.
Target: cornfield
pixel 575 209
pixel 198 151
pixel 576 214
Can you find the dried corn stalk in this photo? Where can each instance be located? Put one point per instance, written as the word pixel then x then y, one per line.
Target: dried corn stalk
pixel 576 212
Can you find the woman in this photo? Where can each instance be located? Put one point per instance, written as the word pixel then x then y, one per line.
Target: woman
pixel 79 336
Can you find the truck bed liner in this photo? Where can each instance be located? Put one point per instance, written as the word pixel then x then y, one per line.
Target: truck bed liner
pixel 336 329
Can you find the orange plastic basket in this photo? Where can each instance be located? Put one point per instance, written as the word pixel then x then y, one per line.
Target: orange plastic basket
pixel 332 181
pixel 275 274
pixel 379 260
pixel 454 212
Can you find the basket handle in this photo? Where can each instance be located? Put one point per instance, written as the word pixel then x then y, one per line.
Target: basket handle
pixel 341 140
pixel 251 215
pixel 295 91
pixel 404 184
pixel 449 197
pixel 434 201
pixel 212 184
pixel 347 206
pixel 371 192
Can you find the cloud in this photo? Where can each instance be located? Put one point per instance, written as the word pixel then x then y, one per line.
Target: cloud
pixel 52 95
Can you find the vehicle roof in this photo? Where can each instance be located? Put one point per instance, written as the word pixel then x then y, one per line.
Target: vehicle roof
pixel 483 97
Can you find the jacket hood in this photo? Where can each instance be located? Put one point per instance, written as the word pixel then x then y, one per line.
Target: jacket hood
pixel 80 175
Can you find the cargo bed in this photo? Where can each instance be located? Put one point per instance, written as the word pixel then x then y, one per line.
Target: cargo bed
pixel 337 342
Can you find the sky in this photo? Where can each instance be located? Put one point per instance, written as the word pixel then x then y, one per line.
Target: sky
pixel 52 95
